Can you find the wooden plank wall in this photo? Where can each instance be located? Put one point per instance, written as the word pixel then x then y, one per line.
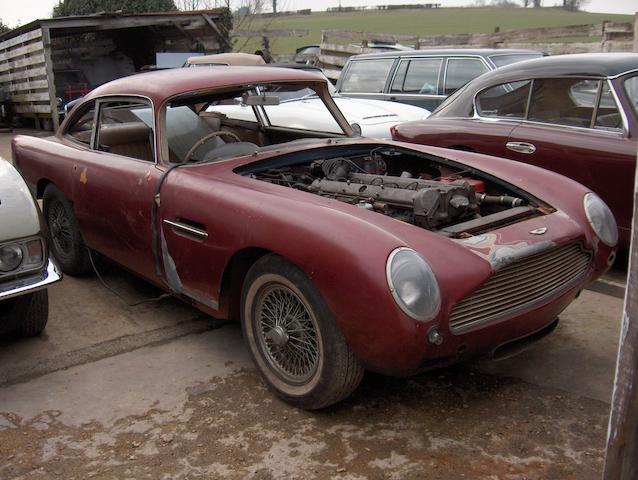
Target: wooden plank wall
pixel 23 74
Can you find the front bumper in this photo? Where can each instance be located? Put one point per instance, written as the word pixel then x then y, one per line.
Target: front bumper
pixel 31 283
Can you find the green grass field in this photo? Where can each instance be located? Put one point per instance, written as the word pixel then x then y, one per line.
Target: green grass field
pixel 418 22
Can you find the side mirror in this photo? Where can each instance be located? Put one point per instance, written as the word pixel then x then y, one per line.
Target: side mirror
pixel 356 128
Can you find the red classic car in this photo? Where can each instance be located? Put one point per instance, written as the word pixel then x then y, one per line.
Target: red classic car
pixel 338 253
pixel 573 114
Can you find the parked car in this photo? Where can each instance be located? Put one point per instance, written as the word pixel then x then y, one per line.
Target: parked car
pixel 337 252
pixel 421 77
pixel 25 269
pixel 573 114
pixel 372 118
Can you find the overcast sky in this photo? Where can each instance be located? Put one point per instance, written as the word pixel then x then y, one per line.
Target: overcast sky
pixel 14 13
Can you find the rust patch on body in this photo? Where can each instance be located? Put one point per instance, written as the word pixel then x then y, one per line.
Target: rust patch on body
pixel 84 179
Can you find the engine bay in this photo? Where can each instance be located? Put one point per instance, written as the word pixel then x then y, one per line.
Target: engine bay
pixel 427 191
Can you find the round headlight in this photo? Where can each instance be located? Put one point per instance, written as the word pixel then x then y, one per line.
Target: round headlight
pixel 413 284
pixel 10 257
pixel 601 219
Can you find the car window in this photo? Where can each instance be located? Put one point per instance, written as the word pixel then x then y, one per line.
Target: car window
pixel 366 76
pixel 81 129
pixel 607 115
pixel 502 60
pixel 460 71
pixel 631 87
pixel 564 101
pixel 419 75
pixel 125 128
pixel 508 100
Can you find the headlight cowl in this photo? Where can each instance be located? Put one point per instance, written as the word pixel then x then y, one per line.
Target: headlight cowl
pixel 413 284
pixel 601 219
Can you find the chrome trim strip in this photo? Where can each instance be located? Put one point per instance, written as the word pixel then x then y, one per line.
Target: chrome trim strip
pixel 32 283
pixel 187 228
pixel 623 114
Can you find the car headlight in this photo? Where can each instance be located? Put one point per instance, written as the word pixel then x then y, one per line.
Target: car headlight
pixel 25 255
pixel 10 257
pixel 601 219
pixel 413 284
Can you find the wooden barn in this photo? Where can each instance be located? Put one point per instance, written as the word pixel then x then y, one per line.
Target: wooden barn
pixel 47 63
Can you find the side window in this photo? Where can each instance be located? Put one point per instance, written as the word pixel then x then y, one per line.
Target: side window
pixel 608 116
pixel 366 76
pixel 504 101
pixel 563 101
pixel 460 71
pixel 419 75
pixel 82 129
pixel 125 128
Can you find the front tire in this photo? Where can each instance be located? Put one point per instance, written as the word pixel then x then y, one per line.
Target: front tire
pixel 66 242
pixel 31 313
pixel 293 337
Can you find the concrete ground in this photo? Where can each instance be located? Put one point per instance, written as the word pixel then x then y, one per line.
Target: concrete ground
pixel 158 391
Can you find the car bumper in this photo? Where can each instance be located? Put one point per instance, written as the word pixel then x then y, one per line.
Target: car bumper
pixel 31 283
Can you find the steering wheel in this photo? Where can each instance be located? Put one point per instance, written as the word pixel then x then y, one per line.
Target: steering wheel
pixel 206 138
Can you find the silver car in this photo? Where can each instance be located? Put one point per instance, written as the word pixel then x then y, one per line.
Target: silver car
pixel 25 267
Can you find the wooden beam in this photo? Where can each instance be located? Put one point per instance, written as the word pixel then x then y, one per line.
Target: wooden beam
pixel 17 52
pixel 31 108
pixel 621 459
pixel 31 73
pixel 636 32
pixel 46 39
pixel 270 33
pixel 25 37
pixel 24 62
pixel 223 39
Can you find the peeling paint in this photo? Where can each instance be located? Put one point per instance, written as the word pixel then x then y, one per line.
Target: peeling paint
pixel 499 255
pixel 175 283
pixel 84 179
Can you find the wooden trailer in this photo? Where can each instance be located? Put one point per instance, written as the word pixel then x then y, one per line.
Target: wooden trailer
pixel 46 63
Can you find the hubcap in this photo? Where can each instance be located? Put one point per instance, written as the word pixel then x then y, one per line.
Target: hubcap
pixel 60 227
pixel 287 333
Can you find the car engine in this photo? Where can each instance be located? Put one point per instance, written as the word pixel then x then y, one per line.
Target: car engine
pixel 428 194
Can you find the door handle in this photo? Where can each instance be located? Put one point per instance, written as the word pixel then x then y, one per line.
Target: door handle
pixel 520 147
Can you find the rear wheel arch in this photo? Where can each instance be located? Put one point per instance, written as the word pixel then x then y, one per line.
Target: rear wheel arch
pixel 41 187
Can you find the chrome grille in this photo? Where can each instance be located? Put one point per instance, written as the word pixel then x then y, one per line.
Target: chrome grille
pixel 521 284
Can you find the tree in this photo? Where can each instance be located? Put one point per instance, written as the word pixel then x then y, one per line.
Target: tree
pixel 65 8
pixel 3 27
pixel 574 5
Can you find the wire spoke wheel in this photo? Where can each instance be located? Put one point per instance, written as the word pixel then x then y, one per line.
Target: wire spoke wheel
pixel 287 333
pixel 293 338
pixel 60 226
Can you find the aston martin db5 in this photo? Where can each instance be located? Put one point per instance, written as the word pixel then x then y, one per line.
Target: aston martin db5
pixel 336 252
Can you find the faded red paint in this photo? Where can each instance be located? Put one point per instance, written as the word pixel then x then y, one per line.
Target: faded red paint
pixel 343 249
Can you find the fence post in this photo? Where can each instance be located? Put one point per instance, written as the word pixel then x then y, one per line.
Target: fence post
pixel 621 458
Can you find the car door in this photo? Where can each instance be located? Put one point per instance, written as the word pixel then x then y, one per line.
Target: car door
pixel 417 82
pixel 115 182
pixel 575 128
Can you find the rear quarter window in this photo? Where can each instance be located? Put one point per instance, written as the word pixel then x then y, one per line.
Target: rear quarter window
pixel 366 76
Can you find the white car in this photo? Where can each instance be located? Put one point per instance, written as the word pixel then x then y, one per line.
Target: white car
pixel 25 267
pixel 374 117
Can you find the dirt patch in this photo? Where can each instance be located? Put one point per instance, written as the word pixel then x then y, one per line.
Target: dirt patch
pixel 451 425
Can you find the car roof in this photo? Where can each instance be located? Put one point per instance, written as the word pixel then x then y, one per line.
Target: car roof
pixel 482 52
pixel 163 84
pixel 577 64
pixel 234 58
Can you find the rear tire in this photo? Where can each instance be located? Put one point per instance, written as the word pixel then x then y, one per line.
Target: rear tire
pixel 31 313
pixel 66 241
pixel 293 337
